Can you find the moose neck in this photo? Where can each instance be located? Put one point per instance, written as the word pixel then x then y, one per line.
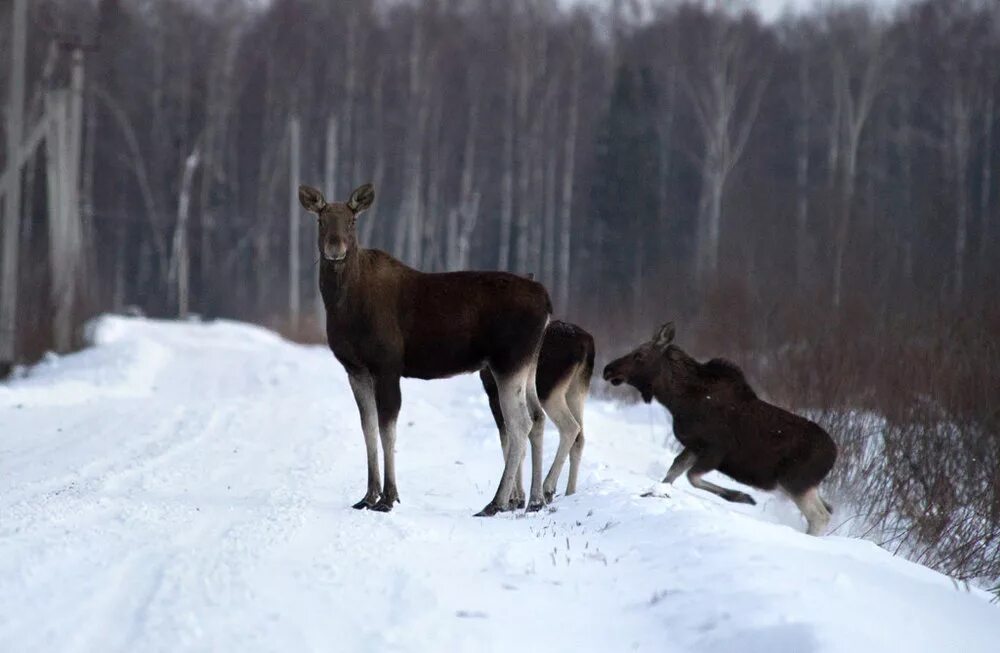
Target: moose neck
pixel 338 279
pixel 665 392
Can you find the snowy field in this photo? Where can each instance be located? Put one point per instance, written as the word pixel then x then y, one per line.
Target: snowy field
pixel 186 487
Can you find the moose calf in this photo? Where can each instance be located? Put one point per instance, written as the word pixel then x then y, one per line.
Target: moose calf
pixel 385 320
pixel 565 365
pixel 723 425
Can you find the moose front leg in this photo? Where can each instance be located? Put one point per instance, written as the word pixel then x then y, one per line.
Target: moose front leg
pixel 681 464
pixel 362 384
pixel 388 400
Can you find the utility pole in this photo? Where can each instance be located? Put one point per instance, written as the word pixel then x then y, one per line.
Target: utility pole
pixel 294 220
pixel 64 117
pixel 12 194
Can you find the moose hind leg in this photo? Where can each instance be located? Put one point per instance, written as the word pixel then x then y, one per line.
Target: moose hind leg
pixel 388 400
pixel 364 394
pixel 511 390
pixel 814 509
pixel 536 436
pixel 704 465
pixel 575 399
pixel 558 410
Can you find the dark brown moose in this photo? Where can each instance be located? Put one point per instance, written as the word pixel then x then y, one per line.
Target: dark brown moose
pixel 723 425
pixel 385 320
pixel 565 365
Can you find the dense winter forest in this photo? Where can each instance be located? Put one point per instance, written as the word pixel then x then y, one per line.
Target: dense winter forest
pixel 816 198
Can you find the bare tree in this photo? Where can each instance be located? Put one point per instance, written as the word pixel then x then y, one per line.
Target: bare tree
pixel 857 71
pixel 568 176
pixel 180 261
pixel 725 97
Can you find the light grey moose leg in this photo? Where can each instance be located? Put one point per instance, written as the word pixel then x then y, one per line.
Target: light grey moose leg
pixel 536 436
pixel 681 464
pixel 575 399
pixel 364 394
pixel 387 400
pixel 511 391
pixel 814 510
pixel 517 492
pixel 558 409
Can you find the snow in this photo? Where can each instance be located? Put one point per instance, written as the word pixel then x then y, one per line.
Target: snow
pixel 186 487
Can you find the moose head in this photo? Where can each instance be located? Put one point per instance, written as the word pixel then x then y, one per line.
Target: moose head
pixel 337 235
pixel 651 364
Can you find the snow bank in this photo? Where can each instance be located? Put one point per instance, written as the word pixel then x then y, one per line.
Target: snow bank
pixel 184 486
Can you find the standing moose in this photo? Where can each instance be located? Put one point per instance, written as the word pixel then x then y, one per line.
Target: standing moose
pixel 723 425
pixel 385 320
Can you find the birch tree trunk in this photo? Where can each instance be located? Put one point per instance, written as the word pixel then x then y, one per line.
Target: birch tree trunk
pixel 294 222
pixel 905 153
pixel 717 98
pixel 507 175
pixel 180 266
pixel 524 151
pixel 219 108
pixel 960 145
pixel 986 182
pixel 330 158
pixel 462 218
pixel 802 248
pixel 378 123
pixel 856 106
pixel 10 209
pixel 408 232
pixel 568 175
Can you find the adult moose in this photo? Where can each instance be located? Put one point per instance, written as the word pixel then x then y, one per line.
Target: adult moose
pixel 723 425
pixel 385 320
pixel 565 365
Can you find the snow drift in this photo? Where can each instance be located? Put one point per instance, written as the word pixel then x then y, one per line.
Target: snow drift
pixel 184 486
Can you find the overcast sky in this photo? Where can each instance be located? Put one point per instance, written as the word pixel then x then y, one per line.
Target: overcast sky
pixel 773 8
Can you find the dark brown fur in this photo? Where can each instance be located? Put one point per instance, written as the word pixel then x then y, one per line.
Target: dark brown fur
pixel 564 347
pixel 721 422
pixel 385 320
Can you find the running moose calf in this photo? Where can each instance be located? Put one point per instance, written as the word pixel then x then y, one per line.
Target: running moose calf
pixel 385 320
pixel 565 365
pixel 723 425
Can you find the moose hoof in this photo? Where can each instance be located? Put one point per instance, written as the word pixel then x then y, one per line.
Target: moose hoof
pixel 549 495
pixel 739 497
pixel 382 506
pixel 535 506
pixel 514 504
pixel 366 503
pixel 490 510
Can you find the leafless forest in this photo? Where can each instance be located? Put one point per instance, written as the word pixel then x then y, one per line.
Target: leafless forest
pixel 817 199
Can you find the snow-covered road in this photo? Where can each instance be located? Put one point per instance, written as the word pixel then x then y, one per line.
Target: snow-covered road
pixel 187 487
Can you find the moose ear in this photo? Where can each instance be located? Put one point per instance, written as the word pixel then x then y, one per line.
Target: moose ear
pixel 664 335
pixel 311 199
pixel 361 198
